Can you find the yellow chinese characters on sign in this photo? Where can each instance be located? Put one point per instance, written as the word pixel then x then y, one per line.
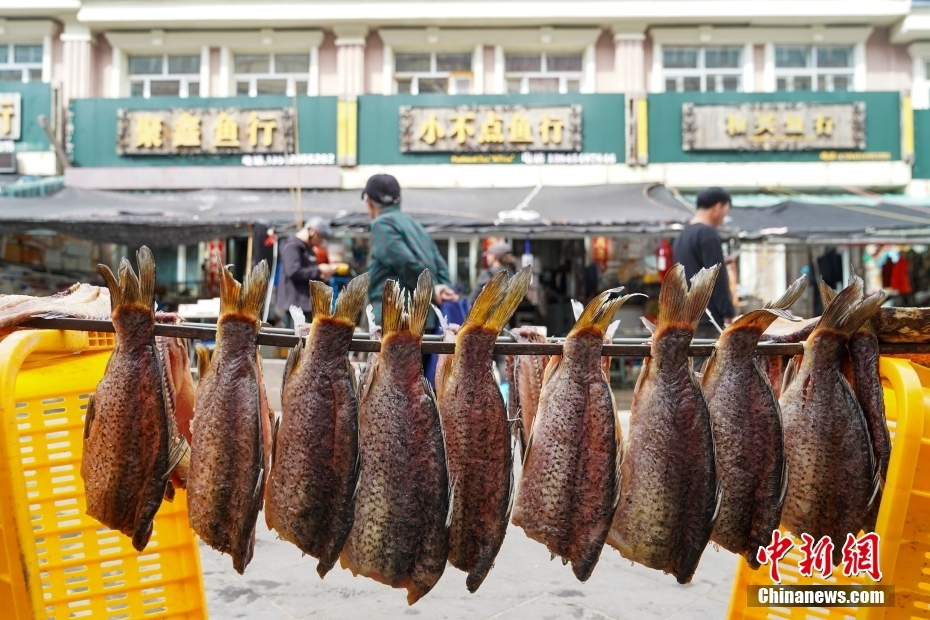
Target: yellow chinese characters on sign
pixel 148 131
pixel 432 130
pixel 736 124
pixel 461 131
pixel 186 130
pixel 492 129
pixel 7 111
pixel 226 131
pixel 264 123
pixel 823 125
pixel 520 129
pixel 765 123
pixel 550 128
pixel 794 125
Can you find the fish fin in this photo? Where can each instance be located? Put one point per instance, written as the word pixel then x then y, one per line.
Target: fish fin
pixel 370 315
pixel 680 306
pixel 443 321
pixel 420 303
pixel 293 360
pixel 766 385
pixel 130 289
pixel 611 330
pixel 761 319
pixel 713 321
pixel 177 453
pixel 708 364
pixel 353 379
pixel 299 320
pixel 648 325
pixel 352 298
pixel 718 501
pixel 551 368
pixel 498 300
pixel 321 300
pixel 849 311
pixel 203 361
pixel 791 295
pixel 274 437
pixel 112 284
pixel 244 300
pixel 89 415
pixel 827 294
pixel 577 308
pixel 371 371
pixel 791 371
pixel 529 442
pixel 600 311
pixel 451 503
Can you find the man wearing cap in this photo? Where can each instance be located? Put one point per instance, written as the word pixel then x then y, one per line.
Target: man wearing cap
pixel 299 265
pixel 500 255
pixel 400 247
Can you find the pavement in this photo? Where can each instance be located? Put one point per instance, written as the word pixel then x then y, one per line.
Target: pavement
pixel 282 584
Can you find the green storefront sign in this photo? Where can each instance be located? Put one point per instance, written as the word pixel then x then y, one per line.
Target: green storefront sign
pixel 35 99
pixel 491 129
pixel 800 116
pixel 170 131
pixel 921 169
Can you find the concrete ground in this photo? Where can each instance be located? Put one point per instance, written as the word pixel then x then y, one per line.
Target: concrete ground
pixel 281 584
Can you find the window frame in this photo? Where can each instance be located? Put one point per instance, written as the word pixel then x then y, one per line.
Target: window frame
pixel 184 79
pixel 563 76
pixel 814 72
pixel 24 67
pixel 252 78
pixel 434 73
pixel 702 71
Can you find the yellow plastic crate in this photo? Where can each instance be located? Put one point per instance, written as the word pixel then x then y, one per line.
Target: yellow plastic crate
pixel 903 518
pixel 55 561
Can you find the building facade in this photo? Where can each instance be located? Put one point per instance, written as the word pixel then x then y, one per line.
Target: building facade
pixel 639 61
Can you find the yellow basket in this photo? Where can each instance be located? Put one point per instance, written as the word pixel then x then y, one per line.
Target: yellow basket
pixel 903 518
pixel 55 561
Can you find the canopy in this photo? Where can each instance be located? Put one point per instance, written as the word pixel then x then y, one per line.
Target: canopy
pixel 173 218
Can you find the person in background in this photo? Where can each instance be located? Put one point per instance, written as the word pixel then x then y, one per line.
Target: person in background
pixel 501 256
pixel 299 265
pixel 699 246
pixel 400 247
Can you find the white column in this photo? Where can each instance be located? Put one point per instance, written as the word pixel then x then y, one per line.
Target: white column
pixel 768 71
pixel 350 60
pixel 920 96
pixel 313 84
pixel 749 68
pixel 589 80
pixel 204 72
pixel 859 75
pixel 630 62
pixel 658 81
pixel 387 71
pixel 182 264
pixel 76 56
pixel 453 260
pixel 477 70
pixel 225 73
pixel 115 85
pixel 47 58
pixel 500 86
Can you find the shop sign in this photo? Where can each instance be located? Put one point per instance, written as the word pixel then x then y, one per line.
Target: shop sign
pixel 490 129
pixel 779 126
pixel 10 117
pixel 196 131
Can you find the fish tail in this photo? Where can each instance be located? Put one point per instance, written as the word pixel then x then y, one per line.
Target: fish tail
pixel 420 303
pixel 499 299
pixel 393 317
pixel 129 289
pixel 849 311
pixel 600 311
pixel 244 300
pixel 678 305
pixel 762 318
pixel 321 299
pixel 827 294
pixel 350 301
pixel 203 361
pixel 790 296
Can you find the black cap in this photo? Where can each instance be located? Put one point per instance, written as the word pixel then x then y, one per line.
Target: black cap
pixel 383 189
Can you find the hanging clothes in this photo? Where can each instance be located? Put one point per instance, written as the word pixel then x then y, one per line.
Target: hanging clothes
pixel 900 279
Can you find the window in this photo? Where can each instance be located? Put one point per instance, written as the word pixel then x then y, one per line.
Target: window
pixel 272 74
pixel 20 63
pixel 805 67
pixel 432 72
pixel 702 69
pixel 164 76
pixel 543 72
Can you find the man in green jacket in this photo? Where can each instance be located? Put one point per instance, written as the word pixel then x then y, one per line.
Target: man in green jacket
pixel 400 247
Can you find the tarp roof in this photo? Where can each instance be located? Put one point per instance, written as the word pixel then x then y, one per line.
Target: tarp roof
pixel 172 218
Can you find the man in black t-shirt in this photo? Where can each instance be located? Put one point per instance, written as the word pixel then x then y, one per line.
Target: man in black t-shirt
pixel 699 246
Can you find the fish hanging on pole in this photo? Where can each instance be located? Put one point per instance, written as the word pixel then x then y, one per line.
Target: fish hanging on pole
pixel 570 484
pixel 310 495
pixel 670 491
pixel 400 537
pixel 232 424
pixel 131 441
pixel 479 439
pixel 525 377
pixel 748 431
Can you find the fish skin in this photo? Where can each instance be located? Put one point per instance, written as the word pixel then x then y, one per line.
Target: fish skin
pixel 400 538
pixel 128 432
pixel 478 434
pixel 782 331
pixel 310 494
pixel 230 429
pixel 374 333
pixel 902 324
pixel 444 361
pixel 860 367
pixel 526 384
pixel 79 301
pixel 569 486
pixel 832 470
pixel 670 490
pixel 748 433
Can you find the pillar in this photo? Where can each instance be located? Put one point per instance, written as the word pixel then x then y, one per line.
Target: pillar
pixel 630 62
pixel 350 60
pixel 76 56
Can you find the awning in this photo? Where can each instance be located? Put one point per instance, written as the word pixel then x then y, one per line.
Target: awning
pixel 173 218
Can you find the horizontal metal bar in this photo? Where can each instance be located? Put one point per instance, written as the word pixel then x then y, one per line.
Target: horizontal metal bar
pixel 621 347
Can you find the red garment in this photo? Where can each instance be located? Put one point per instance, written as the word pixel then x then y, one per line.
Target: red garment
pixel 322 256
pixel 887 266
pixel 899 279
